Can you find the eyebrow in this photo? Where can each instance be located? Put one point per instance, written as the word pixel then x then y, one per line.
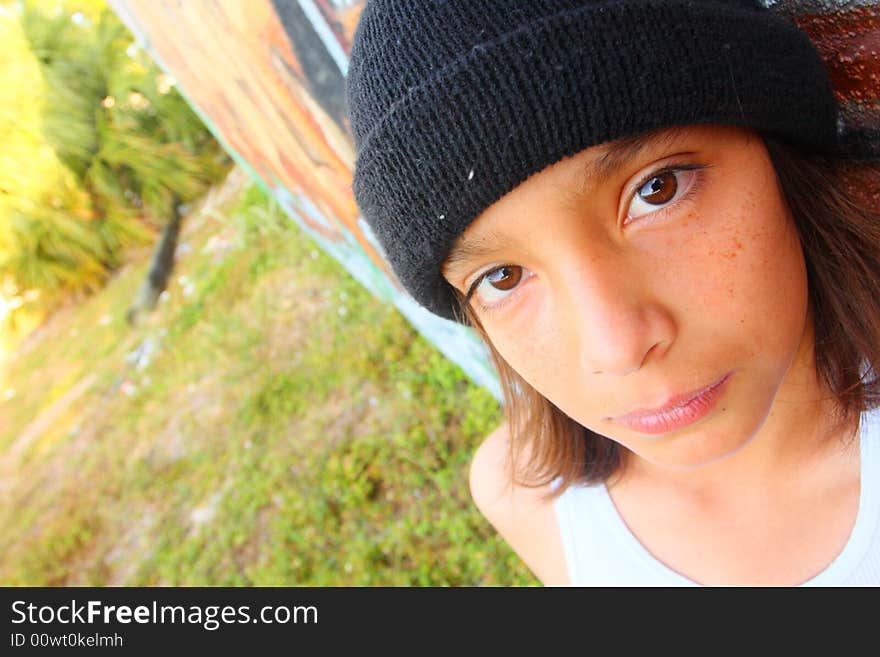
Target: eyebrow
pixel 599 169
pixel 620 151
pixel 468 249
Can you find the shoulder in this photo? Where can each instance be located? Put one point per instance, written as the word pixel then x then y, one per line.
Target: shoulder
pixel 521 515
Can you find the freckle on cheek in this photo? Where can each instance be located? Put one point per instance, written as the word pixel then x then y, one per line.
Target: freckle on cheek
pixel 735 249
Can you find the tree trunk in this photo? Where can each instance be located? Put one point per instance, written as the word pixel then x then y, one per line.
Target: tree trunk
pixel 161 267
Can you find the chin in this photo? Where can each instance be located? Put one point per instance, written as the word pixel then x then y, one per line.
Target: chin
pixel 719 439
pixel 711 449
pixel 726 431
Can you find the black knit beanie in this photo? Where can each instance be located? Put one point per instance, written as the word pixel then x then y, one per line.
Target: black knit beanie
pixel 453 103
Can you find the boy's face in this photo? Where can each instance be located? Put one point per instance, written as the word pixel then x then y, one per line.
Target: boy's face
pixel 681 271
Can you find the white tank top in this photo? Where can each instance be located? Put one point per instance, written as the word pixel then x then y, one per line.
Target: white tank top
pixel 600 550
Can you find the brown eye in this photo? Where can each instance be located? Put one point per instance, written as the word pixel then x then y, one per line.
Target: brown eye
pixel 660 189
pixel 505 278
pixel 663 191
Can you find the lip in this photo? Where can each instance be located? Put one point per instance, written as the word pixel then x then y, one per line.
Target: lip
pixel 678 412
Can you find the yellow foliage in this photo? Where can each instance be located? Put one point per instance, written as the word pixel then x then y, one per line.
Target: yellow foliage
pixel 29 168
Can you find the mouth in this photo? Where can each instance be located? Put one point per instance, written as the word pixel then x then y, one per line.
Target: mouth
pixel 678 412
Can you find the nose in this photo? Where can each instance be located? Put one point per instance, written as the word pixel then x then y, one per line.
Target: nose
pixel 614 322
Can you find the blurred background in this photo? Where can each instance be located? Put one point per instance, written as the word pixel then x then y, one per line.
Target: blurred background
pixel 208 373
pixel 194 389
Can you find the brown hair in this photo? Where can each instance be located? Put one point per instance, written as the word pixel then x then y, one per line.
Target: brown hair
pixel 836 213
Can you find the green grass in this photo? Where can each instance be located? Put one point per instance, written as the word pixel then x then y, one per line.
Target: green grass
pixel 289 429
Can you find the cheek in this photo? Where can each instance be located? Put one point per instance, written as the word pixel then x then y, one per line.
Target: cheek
pixel 532 355
pixel 745 267
pixel 536 354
